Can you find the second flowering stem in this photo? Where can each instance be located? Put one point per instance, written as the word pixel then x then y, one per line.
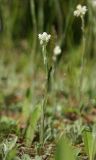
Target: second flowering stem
pixel 45 59
pixel 82 57
pixel 80 12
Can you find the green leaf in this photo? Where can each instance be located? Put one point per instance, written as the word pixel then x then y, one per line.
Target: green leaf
pixel 64 150
pixel 94 140
pixel 12 154
pixel 26 108
pixel 34 117
pixel 89 140
pixel 7 148
pixel 11 144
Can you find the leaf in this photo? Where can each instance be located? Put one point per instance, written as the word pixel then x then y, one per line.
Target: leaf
pixel 26 108
pixel 34 117
pixel 12 154
pixel 8 125
pixel 11 144
pixel 64 150
pixel 7 148
pixel 94 140
pixel 89 139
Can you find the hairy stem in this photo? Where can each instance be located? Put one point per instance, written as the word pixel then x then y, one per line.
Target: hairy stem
pixel 45 95
pixel 82 59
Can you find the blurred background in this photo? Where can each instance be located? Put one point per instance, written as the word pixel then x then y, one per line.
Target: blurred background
pixel 21 21
pixel 20 53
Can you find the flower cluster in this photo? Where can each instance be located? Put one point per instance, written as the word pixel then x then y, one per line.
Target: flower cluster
pixel 44 38
pixel 57 51
pixel 80 10
pixel 94 3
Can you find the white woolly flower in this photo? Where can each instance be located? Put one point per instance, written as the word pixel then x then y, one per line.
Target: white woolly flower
pixel 94 3
pixel 57 50
pixel 80 10
pixel 44 38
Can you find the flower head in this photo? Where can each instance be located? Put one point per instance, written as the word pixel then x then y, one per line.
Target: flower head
pixel 57 50
pixel 94 3
pixel 80 10
pixel 44 38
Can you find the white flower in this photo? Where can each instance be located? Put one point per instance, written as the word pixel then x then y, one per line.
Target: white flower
pixel 57 50
pixel 80 10
pixel 44 38
pixel 94 3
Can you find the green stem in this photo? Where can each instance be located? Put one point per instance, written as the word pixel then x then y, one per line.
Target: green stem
pixel 53 74
pixel 45 58
pixel 45 95
pixel 42 122
pixel 82 59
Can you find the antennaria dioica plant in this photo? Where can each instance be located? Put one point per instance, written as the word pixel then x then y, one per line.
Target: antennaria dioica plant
pixel 80 12
pixel 44 39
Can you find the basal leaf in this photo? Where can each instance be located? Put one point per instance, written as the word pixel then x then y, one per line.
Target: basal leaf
pixel 64 150
pixel 30 131
pixel 88 142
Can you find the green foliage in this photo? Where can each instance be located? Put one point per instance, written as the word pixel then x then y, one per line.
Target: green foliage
pixel 25 157
pixel 32 124
pixel 12 154
pixel 26 108
pixel 89 139
pixel 64 150
pixel 74 131
pixel 6 148
pixel 8 125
